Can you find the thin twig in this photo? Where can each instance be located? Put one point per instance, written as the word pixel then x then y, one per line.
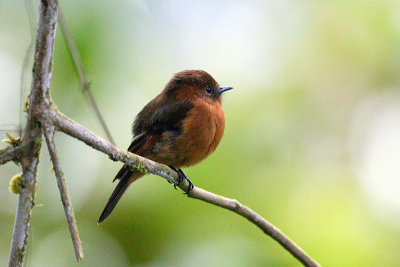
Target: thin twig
pixel 65 199
pixel 83 78
pixel 75 130
pixel 39 103
pixel 26 64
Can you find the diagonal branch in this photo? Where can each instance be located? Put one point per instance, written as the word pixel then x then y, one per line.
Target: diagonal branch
pixel 83 78
pixel 258 220
pixel 65 199
pixel 26 65
pixel 75 130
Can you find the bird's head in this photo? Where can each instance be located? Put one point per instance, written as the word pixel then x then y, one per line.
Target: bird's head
pixel 191 84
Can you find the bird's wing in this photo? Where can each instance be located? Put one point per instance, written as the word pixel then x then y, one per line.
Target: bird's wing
pixel 151 125
pixel 157 118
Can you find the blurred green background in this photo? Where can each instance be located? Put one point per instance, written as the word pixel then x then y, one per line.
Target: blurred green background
pixel 312 137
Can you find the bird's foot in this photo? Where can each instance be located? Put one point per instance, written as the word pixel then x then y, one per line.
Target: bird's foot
pixel 182 176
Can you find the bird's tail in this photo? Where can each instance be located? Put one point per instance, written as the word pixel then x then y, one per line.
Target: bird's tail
pixel 127 178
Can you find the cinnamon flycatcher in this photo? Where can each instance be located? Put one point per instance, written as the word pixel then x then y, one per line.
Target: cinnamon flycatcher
pixel 180 127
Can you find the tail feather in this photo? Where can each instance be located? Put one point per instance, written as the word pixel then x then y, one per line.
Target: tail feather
pixel 121 173
pixel 116 196
pixel 125 177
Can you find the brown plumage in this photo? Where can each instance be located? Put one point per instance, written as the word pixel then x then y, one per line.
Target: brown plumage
pixel 180 127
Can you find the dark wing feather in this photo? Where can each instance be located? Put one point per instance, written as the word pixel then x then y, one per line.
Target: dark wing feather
pixel 157 118
pixel 167 118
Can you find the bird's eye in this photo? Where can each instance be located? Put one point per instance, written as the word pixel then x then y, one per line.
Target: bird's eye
pixel 208 90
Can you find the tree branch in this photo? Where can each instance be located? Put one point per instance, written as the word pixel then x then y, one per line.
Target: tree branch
pixel 65 199
pixel 39 103
pixel 83 78
pixel 75 130
pixel 9 153
pixel 263 224
pixel 26 65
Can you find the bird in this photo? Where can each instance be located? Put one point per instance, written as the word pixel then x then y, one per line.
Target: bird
pixel 180 127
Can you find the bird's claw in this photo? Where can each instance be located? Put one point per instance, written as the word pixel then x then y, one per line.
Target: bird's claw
pixel 182 176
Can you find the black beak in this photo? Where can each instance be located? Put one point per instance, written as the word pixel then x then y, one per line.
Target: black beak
pixel 224 89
